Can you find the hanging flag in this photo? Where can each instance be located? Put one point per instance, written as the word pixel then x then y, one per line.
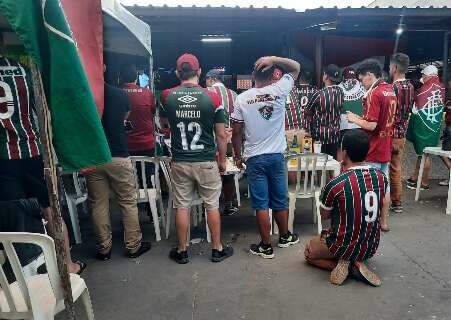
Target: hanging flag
pixel 86 22
pixel 426 119
pixel 42 27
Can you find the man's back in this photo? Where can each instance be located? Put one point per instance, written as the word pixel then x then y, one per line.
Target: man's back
pixel 380 106
pixel 18 132
pixel 355 198
pixel 116 107
pixel 298 99
pixel 142 103
pixel 405 94
pixel 228 97
pixel 262 110
pixel 325 107
pixel 192 112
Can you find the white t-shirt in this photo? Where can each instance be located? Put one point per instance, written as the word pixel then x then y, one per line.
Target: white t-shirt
pixel 262 110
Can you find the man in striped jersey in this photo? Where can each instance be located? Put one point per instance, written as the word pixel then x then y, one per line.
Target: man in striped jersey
pixel 214 83
pixel 21 164
pixel 378 118
pixel 405 94
pixel 353 201
pixel 298 99
pixel 324 110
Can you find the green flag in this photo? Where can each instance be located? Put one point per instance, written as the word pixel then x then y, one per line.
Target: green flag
pixel 426 119
pixel 42 27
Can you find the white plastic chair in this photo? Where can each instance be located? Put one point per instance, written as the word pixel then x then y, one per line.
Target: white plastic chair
pixel 73 200
pixel 151 195
pixel 308 167
pixel 196 205
pixel 38 297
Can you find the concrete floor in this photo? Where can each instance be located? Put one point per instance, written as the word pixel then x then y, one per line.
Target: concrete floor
pixel 413 262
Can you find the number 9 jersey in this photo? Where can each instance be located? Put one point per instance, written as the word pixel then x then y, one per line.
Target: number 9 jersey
pixel 192 112
pixel 354 200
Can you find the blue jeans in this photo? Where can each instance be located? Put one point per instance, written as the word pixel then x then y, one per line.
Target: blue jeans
pixel 266 175
pixel 382 167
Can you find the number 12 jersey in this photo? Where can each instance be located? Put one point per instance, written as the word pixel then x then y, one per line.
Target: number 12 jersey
pixel 192 112
pixel 354 200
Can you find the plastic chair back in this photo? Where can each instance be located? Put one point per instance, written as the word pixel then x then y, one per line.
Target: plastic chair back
pixel 309 166
pixel 7 239
pixel 141 161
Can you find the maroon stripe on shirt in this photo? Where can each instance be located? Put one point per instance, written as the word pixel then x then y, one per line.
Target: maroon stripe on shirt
pixel 357 204
pixel 369 187
pixel 14 152
pixel 25 116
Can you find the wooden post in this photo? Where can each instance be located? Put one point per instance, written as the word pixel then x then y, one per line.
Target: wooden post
pixel 51 178
pixel 319 59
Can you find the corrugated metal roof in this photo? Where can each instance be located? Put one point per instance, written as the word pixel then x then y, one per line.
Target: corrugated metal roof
pixel 410 3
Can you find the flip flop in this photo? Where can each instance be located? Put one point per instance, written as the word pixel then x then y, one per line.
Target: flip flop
pixel 385 229
pixel 82 265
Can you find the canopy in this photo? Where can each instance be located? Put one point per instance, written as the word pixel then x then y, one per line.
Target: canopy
pixel 116 39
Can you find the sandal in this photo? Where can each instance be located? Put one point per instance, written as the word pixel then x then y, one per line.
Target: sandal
pixel 385 229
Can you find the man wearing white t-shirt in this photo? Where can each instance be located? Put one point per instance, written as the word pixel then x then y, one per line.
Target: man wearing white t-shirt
pixel 261 110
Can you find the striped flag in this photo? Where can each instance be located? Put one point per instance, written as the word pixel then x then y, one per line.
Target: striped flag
pixel 78 136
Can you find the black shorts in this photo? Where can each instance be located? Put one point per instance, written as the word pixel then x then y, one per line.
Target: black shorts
pixel 22 179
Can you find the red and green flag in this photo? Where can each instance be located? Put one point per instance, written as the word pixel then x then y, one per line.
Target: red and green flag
pixel 42 27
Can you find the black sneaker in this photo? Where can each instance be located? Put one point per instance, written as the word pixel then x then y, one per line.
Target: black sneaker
pixel 145 246
pixel 396 208
pixel 218 256
pixel 179 257
pixel 230 211
pixel 288 240
pixel 262 250
pixel 414 186
pixel 411 182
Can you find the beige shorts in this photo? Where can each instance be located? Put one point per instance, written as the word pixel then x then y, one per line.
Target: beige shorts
pixel 189 176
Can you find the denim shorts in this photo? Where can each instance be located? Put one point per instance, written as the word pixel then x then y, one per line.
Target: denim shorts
pixel 382 167
pixel 266 175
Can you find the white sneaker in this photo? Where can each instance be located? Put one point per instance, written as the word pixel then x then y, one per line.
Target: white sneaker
pixel 444 183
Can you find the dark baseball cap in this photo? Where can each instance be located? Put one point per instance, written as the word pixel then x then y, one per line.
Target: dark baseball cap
pixel 349 73
pixel 333 72
pixel 189 59
pixel 213 73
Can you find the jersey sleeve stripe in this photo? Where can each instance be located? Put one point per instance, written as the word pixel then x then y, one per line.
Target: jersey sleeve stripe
pixel 236 120
pixel 324 207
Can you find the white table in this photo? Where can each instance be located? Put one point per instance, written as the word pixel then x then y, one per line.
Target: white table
pixel 332 165
pixel 436 151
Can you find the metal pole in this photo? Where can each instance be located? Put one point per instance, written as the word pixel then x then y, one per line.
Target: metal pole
pixel 445 58
pixel 50 174
pixel 318 59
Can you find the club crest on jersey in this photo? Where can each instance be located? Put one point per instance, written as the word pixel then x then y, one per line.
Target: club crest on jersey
pixel 266 112
pixel 187 99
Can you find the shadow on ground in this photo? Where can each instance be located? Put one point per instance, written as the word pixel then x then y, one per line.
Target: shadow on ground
pixel 413 262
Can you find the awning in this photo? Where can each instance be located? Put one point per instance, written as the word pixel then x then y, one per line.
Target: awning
pixel 116 39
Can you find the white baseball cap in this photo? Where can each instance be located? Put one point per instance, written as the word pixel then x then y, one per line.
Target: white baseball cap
pixel 430 70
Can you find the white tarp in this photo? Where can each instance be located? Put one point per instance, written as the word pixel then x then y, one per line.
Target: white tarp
pixel 138 28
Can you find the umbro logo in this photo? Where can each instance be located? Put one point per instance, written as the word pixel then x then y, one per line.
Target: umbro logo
pixel 187 99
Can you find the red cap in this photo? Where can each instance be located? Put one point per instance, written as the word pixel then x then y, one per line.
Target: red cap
pixel 190 59
pixel 349 73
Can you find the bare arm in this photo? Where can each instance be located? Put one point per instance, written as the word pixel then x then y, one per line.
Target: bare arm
pixel 221 139
pixel 290 66
pixel 367 125
pixel 236 140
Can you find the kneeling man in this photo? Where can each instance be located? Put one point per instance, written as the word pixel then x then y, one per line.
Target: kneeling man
pixel 353 201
